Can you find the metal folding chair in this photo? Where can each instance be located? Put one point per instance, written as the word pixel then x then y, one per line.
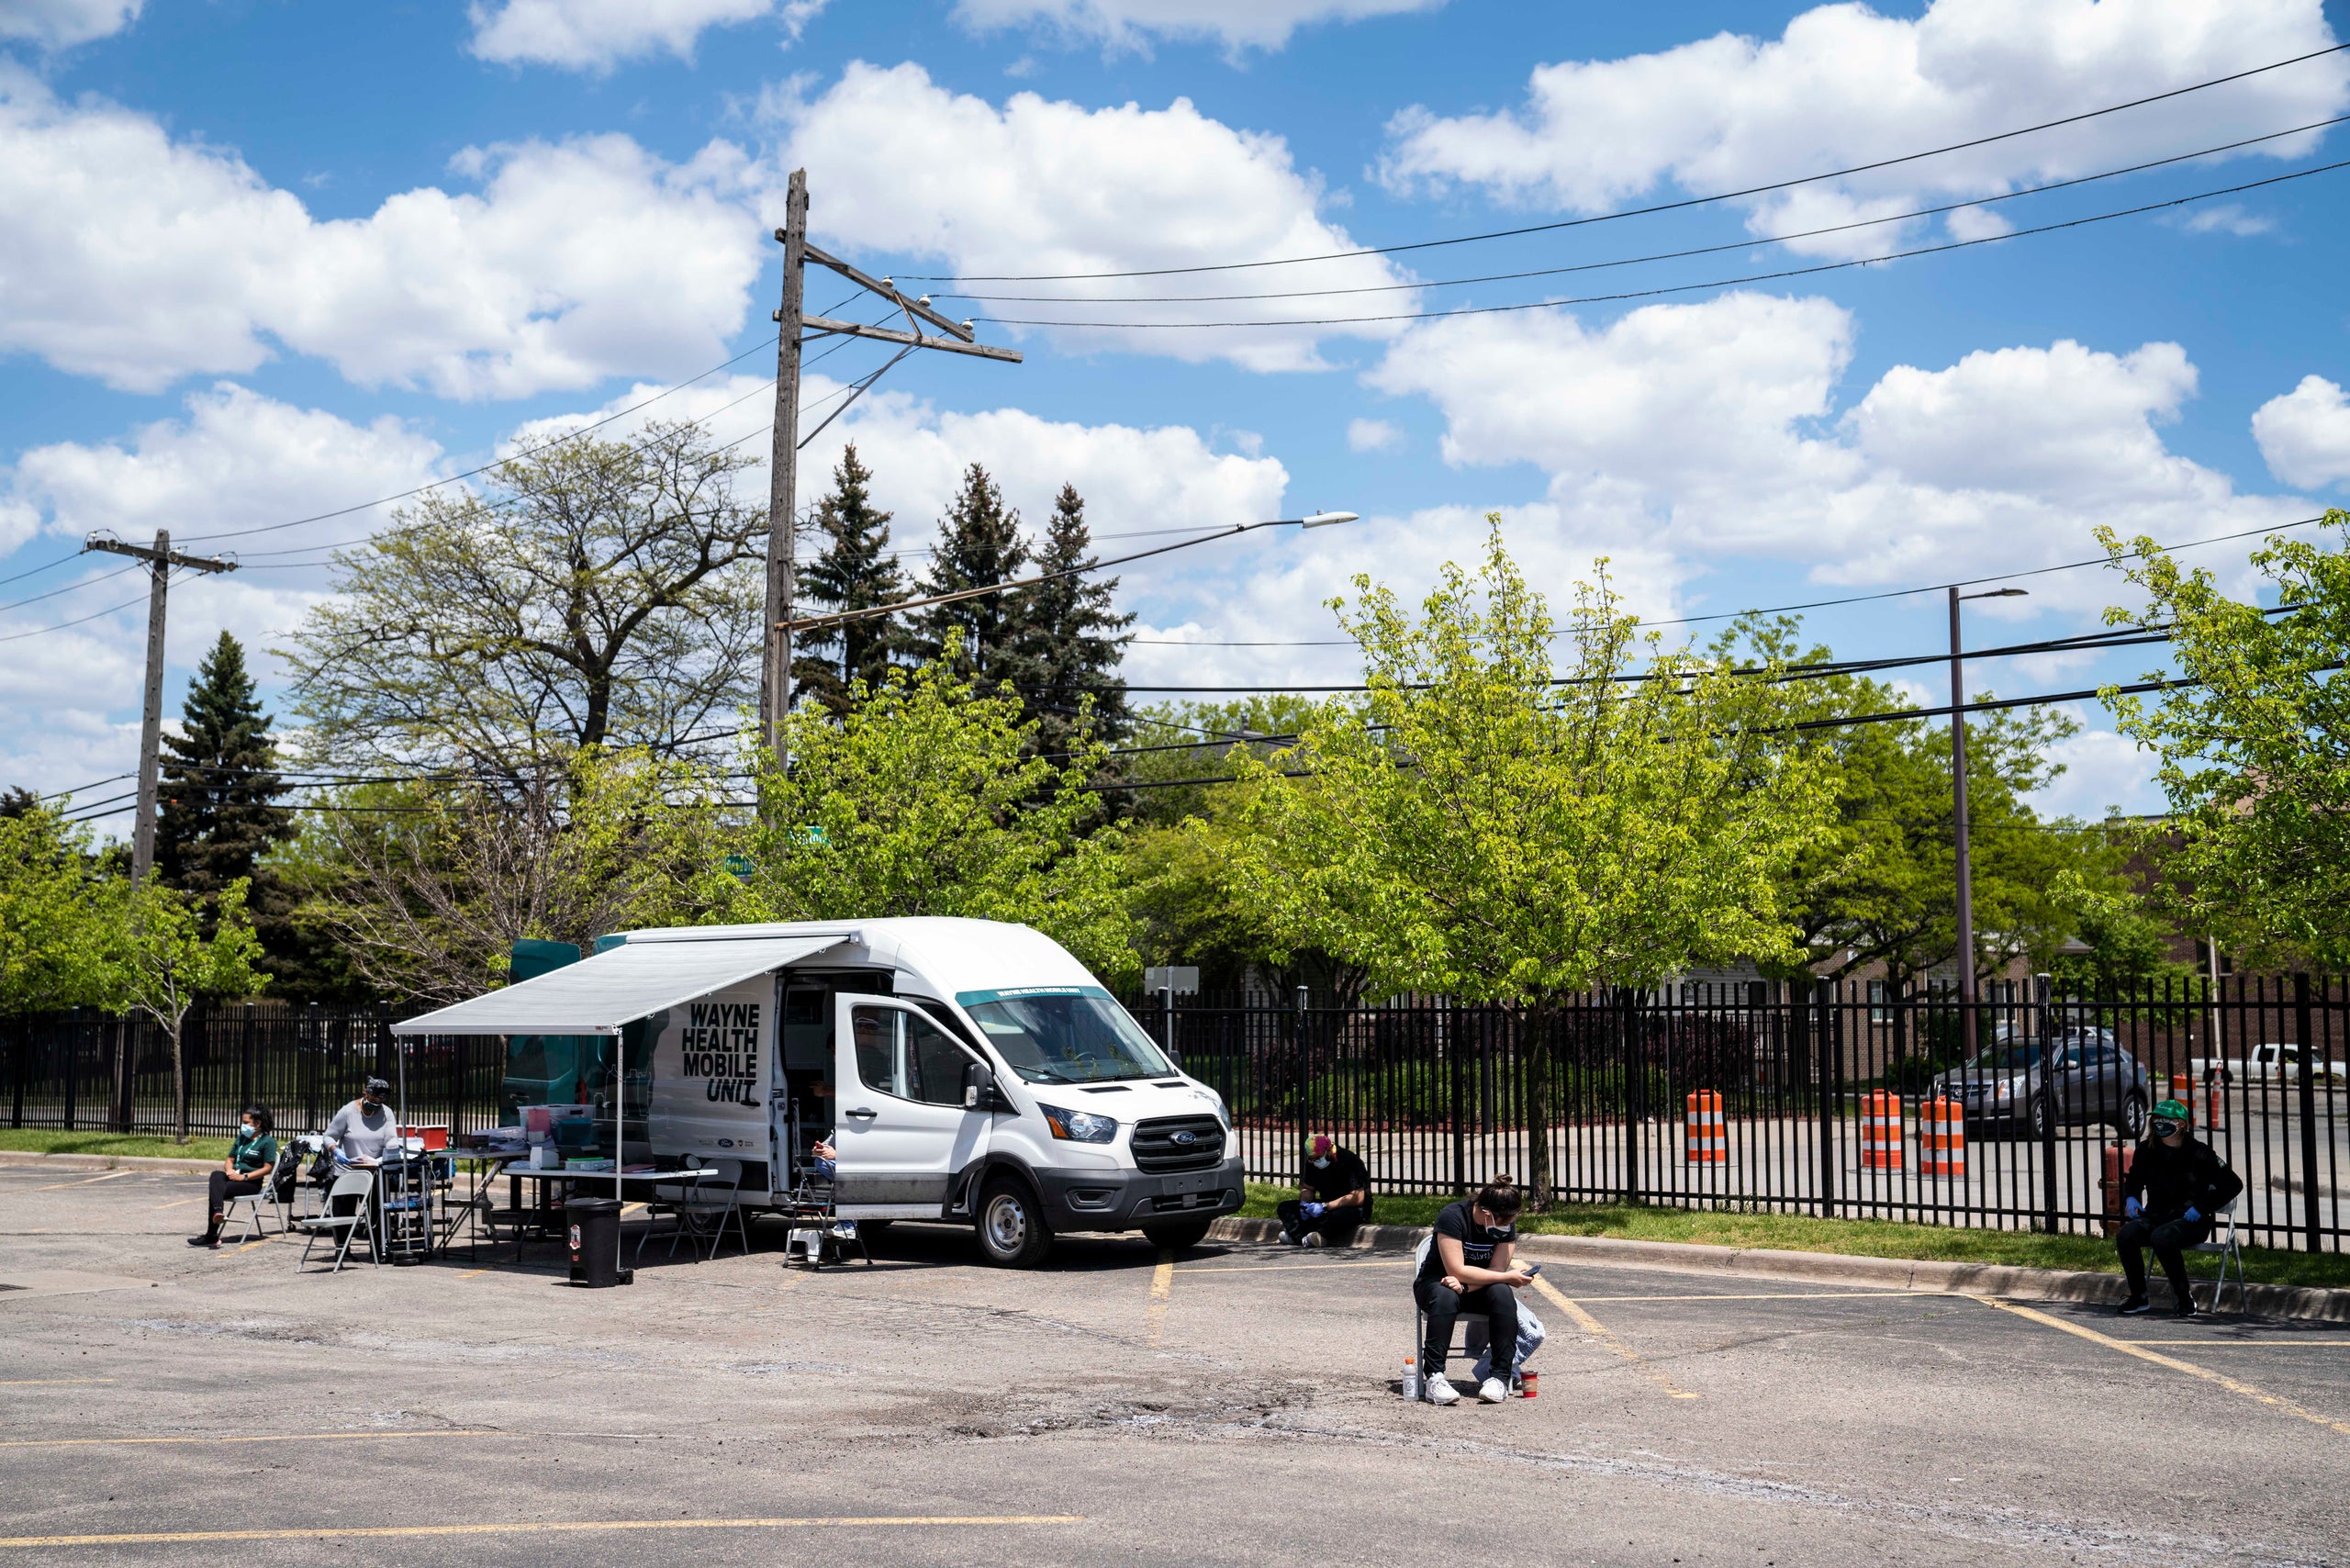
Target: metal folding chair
pixel 2225 1246
pixel 358 1185
pixel 1463 1343
pixel 255 1230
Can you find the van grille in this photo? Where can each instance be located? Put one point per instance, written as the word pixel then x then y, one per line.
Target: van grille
pixel 1157 1147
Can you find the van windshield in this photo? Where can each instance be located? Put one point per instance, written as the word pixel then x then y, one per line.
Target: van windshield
pixel 1069 1039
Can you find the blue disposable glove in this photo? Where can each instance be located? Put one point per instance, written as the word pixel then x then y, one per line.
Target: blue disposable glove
pixel 2130 1207
pixel 1313 1211
pixel 2193 1215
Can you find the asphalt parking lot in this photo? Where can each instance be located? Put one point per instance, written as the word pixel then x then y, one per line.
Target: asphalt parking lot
pixel 159 1405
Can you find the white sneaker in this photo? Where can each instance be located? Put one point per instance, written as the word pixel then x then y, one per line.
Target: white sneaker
pixel 1438 1390
pixel 1492 1391
pixel 1314 1238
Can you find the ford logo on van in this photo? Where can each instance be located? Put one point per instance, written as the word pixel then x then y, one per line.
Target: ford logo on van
pixel 1186 1138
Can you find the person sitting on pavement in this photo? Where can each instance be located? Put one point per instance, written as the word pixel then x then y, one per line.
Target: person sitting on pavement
pixel 362 1130
pixel 1333 1196
pixel 252 1160
pixel 1468 1269
pixel 2175 1187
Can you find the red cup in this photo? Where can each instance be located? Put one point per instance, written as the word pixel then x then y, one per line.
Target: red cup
pixel 1531 1384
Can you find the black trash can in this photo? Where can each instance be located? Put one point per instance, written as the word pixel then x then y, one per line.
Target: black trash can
pixel 596 1242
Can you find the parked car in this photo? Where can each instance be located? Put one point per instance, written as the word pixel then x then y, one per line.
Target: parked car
pixel 2010 1083
pixel 2274 1062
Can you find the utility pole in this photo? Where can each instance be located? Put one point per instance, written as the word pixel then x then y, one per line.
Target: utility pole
pixel 160 558
pixel 795 327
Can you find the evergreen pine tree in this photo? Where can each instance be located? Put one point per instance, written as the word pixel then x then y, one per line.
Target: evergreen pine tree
pixel 855 571
pixel 217 814
pixel 978 543
pixel 1074 640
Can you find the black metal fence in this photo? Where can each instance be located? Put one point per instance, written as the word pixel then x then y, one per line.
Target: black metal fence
pixel 1761 1096
pixel 1824 1100
pixel 88 1071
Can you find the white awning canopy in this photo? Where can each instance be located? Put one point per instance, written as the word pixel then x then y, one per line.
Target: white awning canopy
pixel 596 995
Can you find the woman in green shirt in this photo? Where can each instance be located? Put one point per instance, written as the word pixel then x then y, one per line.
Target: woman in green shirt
pixel 251 1159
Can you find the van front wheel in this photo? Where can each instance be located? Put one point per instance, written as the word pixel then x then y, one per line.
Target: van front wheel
pixel 1011 1232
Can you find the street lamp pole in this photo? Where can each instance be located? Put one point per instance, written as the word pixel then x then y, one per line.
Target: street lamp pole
pixel 1958 800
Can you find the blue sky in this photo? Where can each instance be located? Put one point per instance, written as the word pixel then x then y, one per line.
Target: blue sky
pixel 260 260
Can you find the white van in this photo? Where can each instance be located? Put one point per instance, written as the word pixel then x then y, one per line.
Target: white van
pixel 965 1070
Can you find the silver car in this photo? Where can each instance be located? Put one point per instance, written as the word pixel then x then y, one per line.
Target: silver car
pixel 2010 1083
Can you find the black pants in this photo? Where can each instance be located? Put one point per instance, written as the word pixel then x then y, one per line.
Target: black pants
pixel 1337 1225
pixel 1498 1302
pixel 225 1187
pixel 2169 1238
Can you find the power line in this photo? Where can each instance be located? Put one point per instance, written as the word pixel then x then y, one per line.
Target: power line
pixel 1746 244
pixel 1675 288
pixel 70 587
pixel 83 620
pixel 1774 610
pixel 1636 211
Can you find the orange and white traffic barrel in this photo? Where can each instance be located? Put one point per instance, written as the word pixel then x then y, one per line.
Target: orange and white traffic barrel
pixel 1707 1137
pixel 2182 1089
pixel 1942 1138
pixel 2215 1101
pixel 1881 1131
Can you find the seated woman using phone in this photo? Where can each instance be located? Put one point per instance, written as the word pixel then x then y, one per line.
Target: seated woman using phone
pixel 1469 1269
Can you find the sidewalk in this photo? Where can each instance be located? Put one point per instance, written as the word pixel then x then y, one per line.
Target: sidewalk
pixel 101 1161
pixel 1831 1268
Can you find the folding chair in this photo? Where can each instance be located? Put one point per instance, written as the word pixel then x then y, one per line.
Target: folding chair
pixel 818 1200
pixel 697 1211
pixel 358 1185
pixel 256 1230
pixel 2225 1246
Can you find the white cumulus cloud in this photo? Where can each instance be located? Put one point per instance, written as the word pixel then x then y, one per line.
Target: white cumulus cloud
pixel 596 35
pixel 61 24
pixel 1372 435
pixel 139 259
pixel 1717 426
pixel 1132 24
pixel 2304 435
pixel 1844 86
pixel 896 164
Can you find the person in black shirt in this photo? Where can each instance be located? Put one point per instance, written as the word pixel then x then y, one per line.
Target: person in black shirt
pixel 1333 1196
pixel 2175 1184
pixel 1468 1269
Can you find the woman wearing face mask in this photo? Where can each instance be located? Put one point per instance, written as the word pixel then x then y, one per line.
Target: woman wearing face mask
pixel 250 1161
pixel 1469 1269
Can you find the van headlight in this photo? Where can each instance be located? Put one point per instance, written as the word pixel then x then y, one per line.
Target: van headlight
pixel 1079 1126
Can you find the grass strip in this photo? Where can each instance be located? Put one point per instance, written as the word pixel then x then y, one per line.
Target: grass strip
pixel 1853 1237
pixel 36 1141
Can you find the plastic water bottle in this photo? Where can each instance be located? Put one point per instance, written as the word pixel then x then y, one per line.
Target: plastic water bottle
pixel 1411 1377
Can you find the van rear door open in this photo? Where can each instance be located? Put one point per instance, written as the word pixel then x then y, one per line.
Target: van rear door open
pixel 903 1131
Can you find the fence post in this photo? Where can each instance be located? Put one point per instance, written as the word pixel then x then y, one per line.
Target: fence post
pixel 2311 1230
pixel 1829 1077
pixel 1628 1051
pixel 1454 1061
pixel 1297 1027
pixel 2047 1113
pixel 73 1068
pixel 23 1049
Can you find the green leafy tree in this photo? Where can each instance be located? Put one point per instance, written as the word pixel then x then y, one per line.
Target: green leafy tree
pixel 978 543
pixel 1477 829
pixel 171 950
pixel 56 911
pixel 427 885
pixel 601 593
pixel 925 797
pixel 1074 641
pixel 854 571
pixel 2254 745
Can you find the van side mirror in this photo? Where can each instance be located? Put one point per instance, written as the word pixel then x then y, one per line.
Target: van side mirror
pixel 979 1093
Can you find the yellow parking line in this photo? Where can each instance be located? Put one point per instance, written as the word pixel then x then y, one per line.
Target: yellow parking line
pixel 181 1203
pixel 531 1526
pixel 268 1437
pixel 1592 1325
pixel 110 1176
pixel 1162 1286
pixel 2190 1368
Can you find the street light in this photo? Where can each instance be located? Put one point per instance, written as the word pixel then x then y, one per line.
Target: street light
pixel 1958 803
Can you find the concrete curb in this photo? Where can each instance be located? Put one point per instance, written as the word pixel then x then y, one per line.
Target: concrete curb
pixel 2295 1302
pixel 101 1161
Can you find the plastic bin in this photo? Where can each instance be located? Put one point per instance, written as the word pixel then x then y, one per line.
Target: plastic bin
pixel 596 1242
